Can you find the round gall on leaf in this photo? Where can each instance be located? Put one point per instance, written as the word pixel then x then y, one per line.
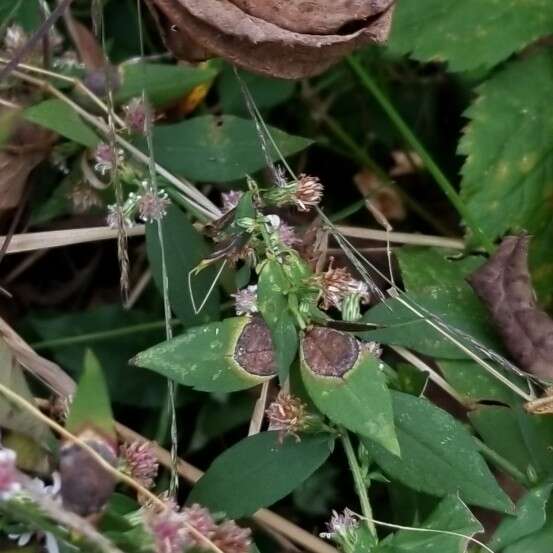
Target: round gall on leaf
pixel 254 350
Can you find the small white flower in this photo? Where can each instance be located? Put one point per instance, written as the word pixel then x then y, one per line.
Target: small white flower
pixel 273 222
pixel 152 206
pixel 246 300
pixel 9 484
pixel 107 159
pixel 340 525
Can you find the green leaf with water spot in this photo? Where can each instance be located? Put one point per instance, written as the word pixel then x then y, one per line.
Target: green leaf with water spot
pixel 272 300
pixel 217 149
pixel 468 35
pixel 203 358
pixel 258 471
pixel 451 515
pixel 62 119
pixel 507 176
pixel 360 400
pixel 162 83
pixel 91 405
pixel 531 515
pixel 438 456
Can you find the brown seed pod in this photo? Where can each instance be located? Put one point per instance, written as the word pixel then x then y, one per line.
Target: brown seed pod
pixel 329 352
pixel 291 40
pixel 86 486
pixel 504 285
pixel 254 350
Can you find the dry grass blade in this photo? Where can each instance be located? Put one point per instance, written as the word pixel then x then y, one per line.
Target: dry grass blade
pixel 58 238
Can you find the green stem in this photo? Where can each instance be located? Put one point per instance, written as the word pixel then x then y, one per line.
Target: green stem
pixel 413 141
pixel 502 463
pixel 359 154
pixel 359 481
pixel 101 335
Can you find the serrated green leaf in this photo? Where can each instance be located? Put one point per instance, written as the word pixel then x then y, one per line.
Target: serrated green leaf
pixel 451 515
pixel 162 83
pixel 203 358
pixel 507 180
pixel 91 406
pixel 530 517
pixel 439 456
pixel 272 300
pixel 184 250
pixel 437 283
pixel 62 119
pixel 360 400
pixel 471 34
pixel 258 471
pixel 217 149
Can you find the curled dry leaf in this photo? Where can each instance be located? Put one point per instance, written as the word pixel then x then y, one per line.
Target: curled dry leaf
pixel 504 285
pixel 292 39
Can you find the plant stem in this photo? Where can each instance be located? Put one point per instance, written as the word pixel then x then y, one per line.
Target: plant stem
pixel 502 463
pixel 359 481
pixel 414 142
pixel 102 335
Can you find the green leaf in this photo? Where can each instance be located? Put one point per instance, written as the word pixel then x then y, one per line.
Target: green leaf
pixel 258 471
pixel 203 358
pixel 507 180
pixel 437 283
pixel 91 405
pixel 62 119
pixel 184 250
pixel 451 515
pixel 522 439
pixel 438 456
pixel 162 83
pixel 217 149
pixel 360 400
pixel 530 517
pixel 471 34
pixel 272 300
pixel 26 14
pixel 537 542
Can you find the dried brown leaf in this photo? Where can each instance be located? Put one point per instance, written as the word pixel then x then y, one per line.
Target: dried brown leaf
pixel 503 283
pixel 291 39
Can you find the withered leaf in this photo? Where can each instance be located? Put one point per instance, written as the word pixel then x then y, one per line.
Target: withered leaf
pixel 292 39
pixel 503 283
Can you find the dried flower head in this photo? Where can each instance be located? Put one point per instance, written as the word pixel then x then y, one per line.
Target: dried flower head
pixel 168 531
pixel 9 483
pixel 341 525
pixel 135 115
pixel 337 283
pixel 246 300
pixel 107 158
pixel 83 198
pixel 15 38
pixel 309 192
pixel 231 199
pixel 152 205
pixel 231 538
pixel 201 520
pixel 140 462
pixel 288 415
pixel 287 235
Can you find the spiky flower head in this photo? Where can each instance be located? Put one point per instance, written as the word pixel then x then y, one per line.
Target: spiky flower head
pixel 83 198
pixel 135 115
pixel 337 284
pixel 9 483
pixel 200 519
pixel 107 158
pixel 140 462
pixel 231 199
pixel 309 192
pixel 289 416
pixel 152 205
pixel 246 300
pixel 341 526
pixel 231 538
pixel 168 531
pixel 118 217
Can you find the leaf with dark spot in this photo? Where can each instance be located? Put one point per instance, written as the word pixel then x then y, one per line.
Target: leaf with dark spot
pixel 504 285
